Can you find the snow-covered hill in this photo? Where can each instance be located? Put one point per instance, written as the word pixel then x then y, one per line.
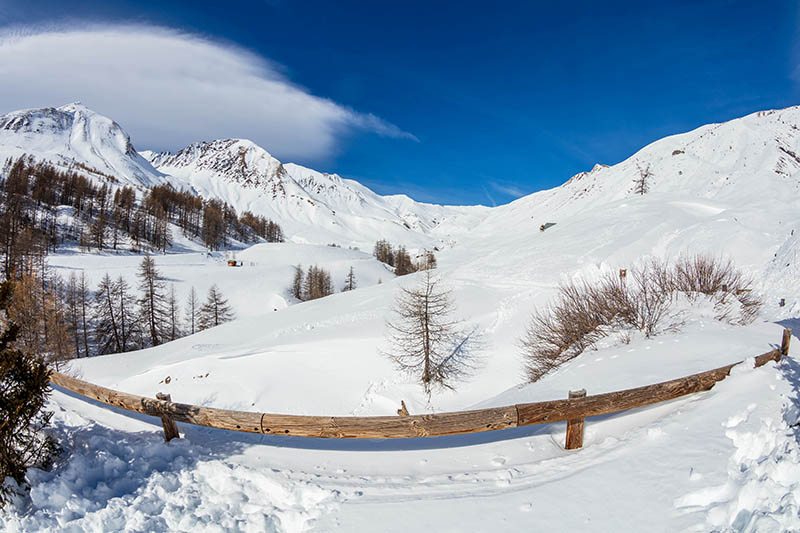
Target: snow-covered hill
pixel 722 460
pixel 311 206
pixel 730 188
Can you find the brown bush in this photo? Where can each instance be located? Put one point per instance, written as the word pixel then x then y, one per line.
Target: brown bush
pixel 584 312
pixel 719 279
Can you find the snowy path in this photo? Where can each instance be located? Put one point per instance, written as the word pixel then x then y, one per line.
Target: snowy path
pixel 685 465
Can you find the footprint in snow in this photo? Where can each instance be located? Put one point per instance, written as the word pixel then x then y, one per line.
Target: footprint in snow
pixel 499 461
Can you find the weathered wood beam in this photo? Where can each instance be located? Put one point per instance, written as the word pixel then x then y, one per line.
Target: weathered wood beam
pixel 574 409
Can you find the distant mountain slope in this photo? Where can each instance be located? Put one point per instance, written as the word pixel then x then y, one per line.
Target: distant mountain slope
pixel 730 188
pixel 311 206
pixel 74 134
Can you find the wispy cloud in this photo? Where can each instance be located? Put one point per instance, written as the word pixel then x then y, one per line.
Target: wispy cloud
pixel 489 197
pixel 169 88
pixel 509 189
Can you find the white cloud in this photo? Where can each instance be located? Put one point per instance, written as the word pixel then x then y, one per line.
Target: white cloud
pixel 168 88
pixel 510 190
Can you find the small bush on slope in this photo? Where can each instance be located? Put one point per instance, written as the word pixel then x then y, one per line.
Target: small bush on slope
pixel 585 312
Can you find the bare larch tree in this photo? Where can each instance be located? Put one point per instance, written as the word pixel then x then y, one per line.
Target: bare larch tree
pixel 152 302
pixel 641 184
pixel 424 340
pixel 215 311
pixel 192 308
pixel 350 281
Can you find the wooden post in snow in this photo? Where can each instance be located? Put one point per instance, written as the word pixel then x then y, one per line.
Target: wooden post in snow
pixel 787 336
pixel 402 411
pixel 170 427
pixel 575 425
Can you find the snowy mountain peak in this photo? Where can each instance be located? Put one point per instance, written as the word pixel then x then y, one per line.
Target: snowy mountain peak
pixel 74 133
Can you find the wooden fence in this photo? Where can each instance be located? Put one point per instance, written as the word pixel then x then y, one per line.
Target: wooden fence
pixel 573 410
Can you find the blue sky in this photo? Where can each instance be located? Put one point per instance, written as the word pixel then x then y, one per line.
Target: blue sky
pixel 460 103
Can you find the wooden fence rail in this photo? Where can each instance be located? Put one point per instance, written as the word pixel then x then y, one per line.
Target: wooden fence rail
pixel 573 410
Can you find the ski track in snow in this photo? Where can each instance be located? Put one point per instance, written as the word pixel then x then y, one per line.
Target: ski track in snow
pixel 129 479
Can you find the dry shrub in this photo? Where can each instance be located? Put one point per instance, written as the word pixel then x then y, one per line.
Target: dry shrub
pixel 729 289
pixel 585 312
pixel 582 314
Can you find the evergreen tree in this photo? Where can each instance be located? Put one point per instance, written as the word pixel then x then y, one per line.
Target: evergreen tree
pixel 152 303
pixel 349 281
pixel 215 311
pixel 24 387
pixel 192 310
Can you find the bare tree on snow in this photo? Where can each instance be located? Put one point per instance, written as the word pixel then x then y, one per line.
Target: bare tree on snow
pixel 641 184
pixel 425 341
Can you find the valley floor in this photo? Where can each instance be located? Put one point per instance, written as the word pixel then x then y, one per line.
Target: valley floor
pixel 722 460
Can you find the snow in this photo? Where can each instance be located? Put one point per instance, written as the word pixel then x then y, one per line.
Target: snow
pixel 311 206
pixel 75 133
pixel 726 459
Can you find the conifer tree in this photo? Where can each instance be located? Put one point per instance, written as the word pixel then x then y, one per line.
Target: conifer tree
pixel 298 282
pixel 72 303
pixel 215 311
pixel 424 340
pixel 129 331
pixel 192 310
pixel 107 333
pixel 84 305
pixel 317 283
pixel 24 387
pixel 402 262
pixel 641 183
pixel 349 281
pixel 152 303
pixel 173 313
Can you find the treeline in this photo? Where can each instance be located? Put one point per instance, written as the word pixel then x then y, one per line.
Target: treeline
pixel 108 217
pixel 63 319
pixel 316 283
pixel 400 259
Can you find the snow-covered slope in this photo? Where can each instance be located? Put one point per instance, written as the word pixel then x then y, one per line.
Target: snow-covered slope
pixel 311 206
pixel 730 188
pixel 75 134
pixel 722 460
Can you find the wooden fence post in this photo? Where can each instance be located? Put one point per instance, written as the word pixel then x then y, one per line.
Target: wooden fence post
pixel 575 425
pixel 787 336
pixel 170 427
